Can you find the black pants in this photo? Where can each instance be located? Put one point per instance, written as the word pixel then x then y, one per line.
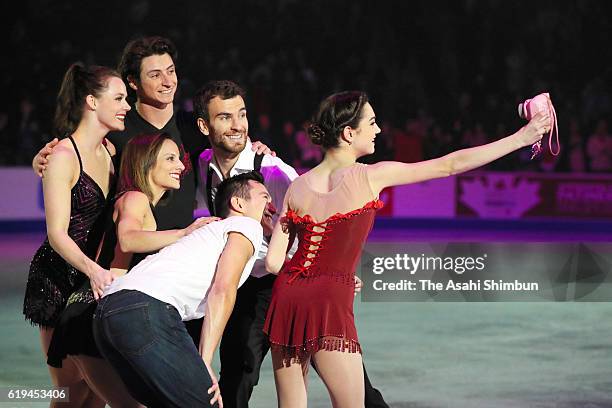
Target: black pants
pixel 244 346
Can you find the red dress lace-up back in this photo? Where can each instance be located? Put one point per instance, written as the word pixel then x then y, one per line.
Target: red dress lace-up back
pixel 312 299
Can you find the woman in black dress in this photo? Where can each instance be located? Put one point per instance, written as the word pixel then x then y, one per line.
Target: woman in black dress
pixel 77 181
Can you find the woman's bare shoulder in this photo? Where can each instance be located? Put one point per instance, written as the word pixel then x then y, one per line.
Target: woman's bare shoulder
pixel 63 158
pixel 133 200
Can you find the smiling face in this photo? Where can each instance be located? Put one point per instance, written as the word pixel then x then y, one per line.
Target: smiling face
pixel 227 127
pixel 111 105
pixel 267 220
pixel 258 201
pixel 366 131
pixel 166 173
pixel 157 83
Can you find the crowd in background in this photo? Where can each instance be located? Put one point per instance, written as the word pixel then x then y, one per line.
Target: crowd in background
pixel 440 75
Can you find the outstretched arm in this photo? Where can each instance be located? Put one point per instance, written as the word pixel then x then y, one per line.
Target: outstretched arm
pixel 385 174
pixel 222 293
pixel 132 208
pixel 220 301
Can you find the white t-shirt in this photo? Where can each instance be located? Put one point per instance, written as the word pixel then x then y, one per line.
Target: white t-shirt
pixel 181 274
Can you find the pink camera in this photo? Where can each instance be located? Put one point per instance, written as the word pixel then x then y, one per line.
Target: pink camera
pixel 533 106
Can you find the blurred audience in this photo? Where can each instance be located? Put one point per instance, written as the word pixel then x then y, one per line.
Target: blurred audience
pixel 440 75
pixel 599 148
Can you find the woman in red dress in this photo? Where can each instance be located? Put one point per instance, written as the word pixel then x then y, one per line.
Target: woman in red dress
pixel 331 210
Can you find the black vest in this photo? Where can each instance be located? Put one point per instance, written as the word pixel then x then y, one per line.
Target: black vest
pixel 209 175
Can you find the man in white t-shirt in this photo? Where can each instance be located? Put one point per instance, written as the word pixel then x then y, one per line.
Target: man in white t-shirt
pixel 138 324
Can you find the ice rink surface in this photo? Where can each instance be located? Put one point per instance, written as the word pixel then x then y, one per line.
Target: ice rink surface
pixel 419 354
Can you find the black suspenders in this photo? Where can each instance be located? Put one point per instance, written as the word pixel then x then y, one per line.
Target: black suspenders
pixel 209 176
pixel 209 196
pixel 257 161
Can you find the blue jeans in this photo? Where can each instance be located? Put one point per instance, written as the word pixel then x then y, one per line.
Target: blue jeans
pixel 146 342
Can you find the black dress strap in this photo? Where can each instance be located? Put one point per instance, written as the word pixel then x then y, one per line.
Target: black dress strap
pixel 108 151
pixel 77 152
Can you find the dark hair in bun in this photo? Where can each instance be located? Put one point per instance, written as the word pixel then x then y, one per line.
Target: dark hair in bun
pixel 317 135
pixel 335 113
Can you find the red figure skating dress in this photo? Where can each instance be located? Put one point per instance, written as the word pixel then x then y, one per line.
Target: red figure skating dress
pixel 312 299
